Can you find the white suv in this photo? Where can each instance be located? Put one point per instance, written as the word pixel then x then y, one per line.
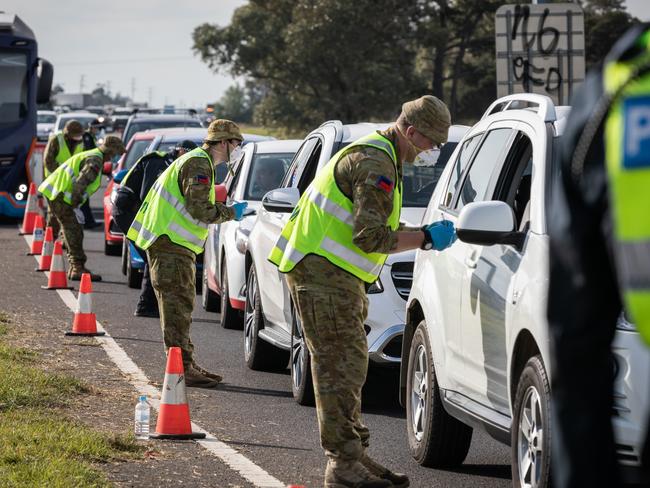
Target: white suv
pixel 271 331
pixel 476 347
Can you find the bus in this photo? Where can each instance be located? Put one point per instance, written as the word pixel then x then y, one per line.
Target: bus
pixel 25 81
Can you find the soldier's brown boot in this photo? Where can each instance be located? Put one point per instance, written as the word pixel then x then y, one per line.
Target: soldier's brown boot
pixel 399 480
pixel 75 274
pixel 351 474
pixel 197 379
pixel 207 373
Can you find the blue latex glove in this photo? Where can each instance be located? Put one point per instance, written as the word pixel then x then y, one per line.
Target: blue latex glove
pixel 239 208
pixel 442 234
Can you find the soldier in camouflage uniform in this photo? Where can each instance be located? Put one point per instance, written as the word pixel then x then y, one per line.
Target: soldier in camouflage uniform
pixel 172 266
pixel 65 214
pixel 72 134
pixel 332 302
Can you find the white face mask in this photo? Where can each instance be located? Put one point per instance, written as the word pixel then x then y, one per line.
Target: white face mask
pixel 427 158
pixel 235 154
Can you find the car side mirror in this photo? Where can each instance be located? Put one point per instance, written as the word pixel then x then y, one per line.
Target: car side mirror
pixel 108 168
pixel 221 193
pixel 119 176
pixel 487 224
pixel 281 200
pixel 45 77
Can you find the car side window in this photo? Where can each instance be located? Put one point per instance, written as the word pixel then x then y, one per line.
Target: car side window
pixel 299 161
pixel 477 184
pixel 460 164
pixel 231 182
pixel 309 170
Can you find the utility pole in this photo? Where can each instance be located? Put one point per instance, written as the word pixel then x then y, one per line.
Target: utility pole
pixel 133 90
pixel 82 83
pixel 150 95
pixel 108 88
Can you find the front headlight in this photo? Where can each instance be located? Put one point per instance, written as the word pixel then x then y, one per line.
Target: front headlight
pixel 376 287
pixel 623 323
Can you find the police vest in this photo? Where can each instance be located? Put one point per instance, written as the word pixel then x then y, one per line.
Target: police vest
pixel 627 156
pixel 163 211
pixel 65 176
pixel 64 152
pixel 322 222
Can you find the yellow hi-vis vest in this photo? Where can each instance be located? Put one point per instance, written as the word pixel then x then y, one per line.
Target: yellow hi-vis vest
pixel 322 222
pixel 64 152
pixel 627 156
pixel 62 180
pixel 163 211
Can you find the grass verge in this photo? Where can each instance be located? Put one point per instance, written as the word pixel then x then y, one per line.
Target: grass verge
pixel 40 446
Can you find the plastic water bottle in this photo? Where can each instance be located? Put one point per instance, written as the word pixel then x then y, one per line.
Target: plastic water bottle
pixel 142 415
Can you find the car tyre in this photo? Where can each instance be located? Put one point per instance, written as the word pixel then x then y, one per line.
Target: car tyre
pixel 259 354
pixel 112 249
pixel 302 385
pixel 209 299
pixel 125 257
pixel 435 438
pixel 133 276
pixel 231 318
pixel 531 431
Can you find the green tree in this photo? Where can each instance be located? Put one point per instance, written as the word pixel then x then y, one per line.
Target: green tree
pixel 234 105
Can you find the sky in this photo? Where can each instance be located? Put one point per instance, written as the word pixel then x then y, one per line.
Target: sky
pixel 140 47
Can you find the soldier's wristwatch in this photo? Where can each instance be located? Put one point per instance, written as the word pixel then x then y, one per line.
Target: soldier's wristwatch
pixel 427 245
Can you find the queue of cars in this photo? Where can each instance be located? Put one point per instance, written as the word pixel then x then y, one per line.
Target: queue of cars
pixel 466 326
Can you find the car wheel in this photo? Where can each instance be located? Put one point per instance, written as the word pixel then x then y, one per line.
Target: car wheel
pixel 302 386
pixel 436 439
pixel 112 249
pixel 209 299
pixel 133 276
pixel 231 318
pixel 258 354
pixel 125 250
pixel 531 433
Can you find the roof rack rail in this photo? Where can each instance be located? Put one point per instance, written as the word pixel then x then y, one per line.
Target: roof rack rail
pixel 546 106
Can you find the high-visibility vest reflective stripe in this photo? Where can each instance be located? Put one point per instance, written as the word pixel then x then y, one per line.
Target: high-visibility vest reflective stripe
pixel 64 152
pixel 323 222
pixel 63 179
pixel 627 155
pixel 126 177
pixel 163 211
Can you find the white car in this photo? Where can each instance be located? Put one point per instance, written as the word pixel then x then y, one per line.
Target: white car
pixel 84 118
pixel 271 330
pixel 45 120
pixel 260 169
pixel 476 346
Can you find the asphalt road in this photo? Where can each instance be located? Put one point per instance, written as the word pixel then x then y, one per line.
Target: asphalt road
pixel 254 412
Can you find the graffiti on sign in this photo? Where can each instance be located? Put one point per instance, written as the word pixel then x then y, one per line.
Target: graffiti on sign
pixel 540 49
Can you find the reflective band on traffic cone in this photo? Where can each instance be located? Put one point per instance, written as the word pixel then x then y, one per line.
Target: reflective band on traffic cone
pixel 31 211
pixel 85 323
pixel 46 254
pixel 174 416
pixel 37 241
pixel 57 279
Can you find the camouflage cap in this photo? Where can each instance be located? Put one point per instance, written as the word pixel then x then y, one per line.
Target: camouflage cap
pixel 112 144
pixel 73 128
pixel 430 116
pixel 222 129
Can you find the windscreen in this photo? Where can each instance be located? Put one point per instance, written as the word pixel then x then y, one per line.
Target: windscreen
pixel 266 173
pixel 140 125
pixel 420 181
pixel 13 87
pixel 136 151
pixel 84 120
pixel 46 118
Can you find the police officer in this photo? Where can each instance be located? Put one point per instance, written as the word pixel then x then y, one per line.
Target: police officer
pixel 132 191
pixel 69 186
pixel 599 253
pixel 332 249
pixel 172 226
pixel 60 147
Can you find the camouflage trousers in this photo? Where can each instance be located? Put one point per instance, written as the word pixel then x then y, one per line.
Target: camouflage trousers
pixel 73 232
pixel 52 221
pixel 332 320
pixel 173 279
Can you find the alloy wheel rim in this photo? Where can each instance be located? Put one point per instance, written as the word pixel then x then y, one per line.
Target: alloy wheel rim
pixel 419 392
pixel 297 355
pixel 249 316
pixel 530 439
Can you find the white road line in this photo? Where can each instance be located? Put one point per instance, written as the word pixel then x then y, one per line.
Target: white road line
pixel 231 457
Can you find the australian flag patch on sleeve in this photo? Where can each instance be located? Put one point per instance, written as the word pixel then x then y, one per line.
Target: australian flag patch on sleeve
pixel 202 180
pixel 385 184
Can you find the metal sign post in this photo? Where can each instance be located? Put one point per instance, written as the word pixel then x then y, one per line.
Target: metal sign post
pixel 540 49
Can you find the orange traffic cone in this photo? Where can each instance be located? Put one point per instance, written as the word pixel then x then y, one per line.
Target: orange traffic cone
pixel 46 253
pixel 85 323
pixel 57 279
pixel 37 241
pixel 174 416
pixel 31 211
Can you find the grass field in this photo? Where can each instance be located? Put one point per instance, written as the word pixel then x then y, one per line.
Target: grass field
pixel 40 445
